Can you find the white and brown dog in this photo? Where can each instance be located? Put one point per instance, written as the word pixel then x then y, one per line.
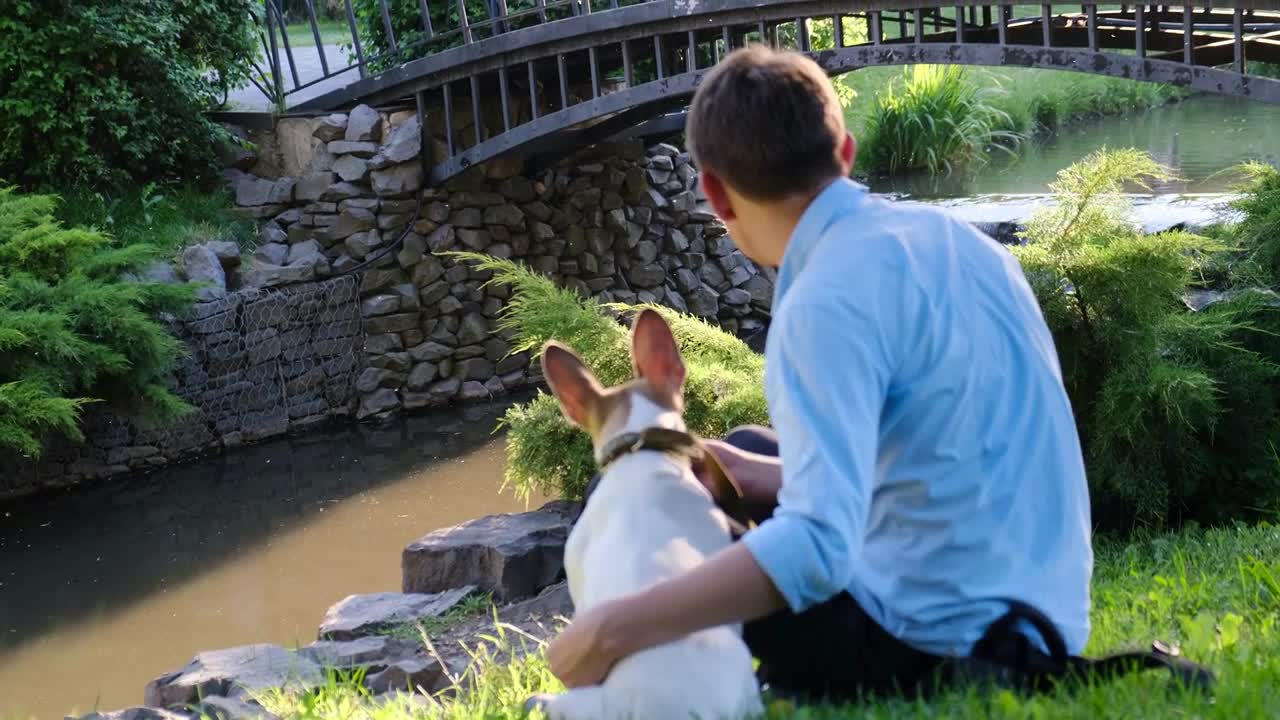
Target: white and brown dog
pixel 648 518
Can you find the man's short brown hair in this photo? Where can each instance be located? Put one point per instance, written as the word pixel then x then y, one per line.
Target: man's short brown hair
pixel 768 123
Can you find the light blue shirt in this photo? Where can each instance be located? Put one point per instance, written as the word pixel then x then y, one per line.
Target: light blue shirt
pixel 930 460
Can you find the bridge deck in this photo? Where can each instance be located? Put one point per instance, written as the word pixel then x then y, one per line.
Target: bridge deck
pixel 565 69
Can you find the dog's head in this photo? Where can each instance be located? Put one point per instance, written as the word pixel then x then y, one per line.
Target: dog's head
pixel 654 397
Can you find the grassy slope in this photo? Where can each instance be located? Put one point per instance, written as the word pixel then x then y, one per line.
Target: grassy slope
pixel 1216 592
pixel 332 32
pixel 169 219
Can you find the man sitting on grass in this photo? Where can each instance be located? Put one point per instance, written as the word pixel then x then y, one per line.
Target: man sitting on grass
pixel 926 474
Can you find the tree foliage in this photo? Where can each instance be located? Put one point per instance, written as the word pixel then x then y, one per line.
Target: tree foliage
pixel 74 328
pixel 111 93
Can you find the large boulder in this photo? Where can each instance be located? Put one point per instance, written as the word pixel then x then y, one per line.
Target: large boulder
pixel 233 672
pixel 367 652
pixel 359 615
pixel 512 556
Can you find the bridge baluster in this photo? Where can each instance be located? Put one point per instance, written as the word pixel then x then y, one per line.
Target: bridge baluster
pixel 986 16
pixel 875 28
pixel 1092 12
pixel 727 36
pixel 426 21
pixel 960 24
pixel 919 23
pixel 501 25
pixel 542 11
pixel 502 90
pixel 657 57
pixel 1140 29
pixel 533 91
pixel 447 89
pixel 475 108
pixel 355 40
pixel 464 23
pixel 902 24
pixel 315 33
pixel 386 25
pixel 1188 42
pixel 564 82
pixel 1237 30
pixel 1046 19
pixel 627 73
pixel 595 73
pixel 1003 29
pixel 691 62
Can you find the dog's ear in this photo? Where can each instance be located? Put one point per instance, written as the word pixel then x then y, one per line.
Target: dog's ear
pixel 573 384
pixel 654 353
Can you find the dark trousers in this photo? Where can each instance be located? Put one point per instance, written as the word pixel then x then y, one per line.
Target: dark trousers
pixel 833 651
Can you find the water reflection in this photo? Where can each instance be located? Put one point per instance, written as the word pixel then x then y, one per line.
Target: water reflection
pixel 104 588
pixel 1199 138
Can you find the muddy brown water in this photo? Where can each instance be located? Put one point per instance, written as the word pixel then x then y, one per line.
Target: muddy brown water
pixel 106 587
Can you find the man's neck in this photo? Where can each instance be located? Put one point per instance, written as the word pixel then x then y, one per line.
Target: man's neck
pixel 778 220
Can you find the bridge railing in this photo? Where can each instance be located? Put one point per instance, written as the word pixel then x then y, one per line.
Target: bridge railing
pixel 380 34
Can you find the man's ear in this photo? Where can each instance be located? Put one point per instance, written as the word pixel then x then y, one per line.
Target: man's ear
pixel 717 195
pixel 848 153
pixel 574 386
pixel 654 354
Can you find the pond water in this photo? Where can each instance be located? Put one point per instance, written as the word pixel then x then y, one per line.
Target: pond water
pixel 104 588
pixel 1199 138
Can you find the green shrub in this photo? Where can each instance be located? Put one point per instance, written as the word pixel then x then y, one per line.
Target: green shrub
pixel 936 121
pixel 114 93
pixel 1176 410
pixel 72 329
pixel 725 378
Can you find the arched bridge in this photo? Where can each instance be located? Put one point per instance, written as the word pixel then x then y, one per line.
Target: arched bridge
pixel 577 71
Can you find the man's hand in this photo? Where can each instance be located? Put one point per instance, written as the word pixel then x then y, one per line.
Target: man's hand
pixel 758 476
pixel 579 656
pixel 728 588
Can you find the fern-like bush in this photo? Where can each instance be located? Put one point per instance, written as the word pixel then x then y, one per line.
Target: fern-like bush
pixel 725 386
pixel 72 329
pixel 1176 410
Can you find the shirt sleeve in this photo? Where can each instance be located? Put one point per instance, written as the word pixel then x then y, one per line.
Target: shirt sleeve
pixel 830 380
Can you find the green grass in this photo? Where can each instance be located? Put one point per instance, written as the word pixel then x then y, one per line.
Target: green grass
pixel 332 32
pixel 1215 592
pixel 167 218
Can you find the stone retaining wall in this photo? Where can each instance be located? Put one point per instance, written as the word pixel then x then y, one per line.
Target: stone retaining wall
pixel 623 223
pixel 261 362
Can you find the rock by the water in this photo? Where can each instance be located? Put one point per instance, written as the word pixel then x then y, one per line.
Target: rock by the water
pixel 513 556
pixel 410 674
pixel 222 708
pixel 359 615
pixel 136 713
pixel 232 672
pixel 374 651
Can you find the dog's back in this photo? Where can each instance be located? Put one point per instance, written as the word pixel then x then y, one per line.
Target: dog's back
pixel 648 520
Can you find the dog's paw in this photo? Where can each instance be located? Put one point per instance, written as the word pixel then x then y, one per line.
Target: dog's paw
pixel 537 702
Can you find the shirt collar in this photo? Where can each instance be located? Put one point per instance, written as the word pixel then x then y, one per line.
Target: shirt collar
pixel 834 200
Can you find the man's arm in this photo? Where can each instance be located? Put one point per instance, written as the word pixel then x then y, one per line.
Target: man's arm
pixel 828 420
